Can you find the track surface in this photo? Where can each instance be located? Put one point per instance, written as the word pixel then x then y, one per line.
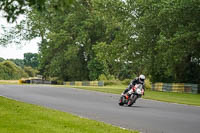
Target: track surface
pixel 147 116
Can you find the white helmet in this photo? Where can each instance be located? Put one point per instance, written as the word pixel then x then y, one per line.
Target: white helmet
pixel 142 78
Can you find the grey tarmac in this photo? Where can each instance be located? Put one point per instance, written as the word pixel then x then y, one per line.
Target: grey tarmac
pixel 147 116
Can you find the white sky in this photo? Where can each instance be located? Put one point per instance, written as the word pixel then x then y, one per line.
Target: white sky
pixel 15 51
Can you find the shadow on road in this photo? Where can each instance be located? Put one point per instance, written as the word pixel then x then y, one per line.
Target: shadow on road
pixel 135 106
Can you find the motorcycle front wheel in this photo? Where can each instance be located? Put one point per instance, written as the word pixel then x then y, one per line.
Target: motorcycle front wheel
pixel 121 101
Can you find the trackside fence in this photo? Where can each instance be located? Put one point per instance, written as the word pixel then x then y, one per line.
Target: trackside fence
pixel 176 87
pixel 73 83
pixel 36 81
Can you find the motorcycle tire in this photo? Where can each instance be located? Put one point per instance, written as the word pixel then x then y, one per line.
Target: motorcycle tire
pixel 121 103
pixel 132 100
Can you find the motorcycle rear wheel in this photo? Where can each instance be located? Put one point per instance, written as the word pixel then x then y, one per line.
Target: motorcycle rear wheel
pixel 132 100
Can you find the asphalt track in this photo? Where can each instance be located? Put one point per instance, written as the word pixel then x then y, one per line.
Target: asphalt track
pixel 147 116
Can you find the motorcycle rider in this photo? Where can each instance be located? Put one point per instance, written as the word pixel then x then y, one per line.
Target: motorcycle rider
pixel 137 80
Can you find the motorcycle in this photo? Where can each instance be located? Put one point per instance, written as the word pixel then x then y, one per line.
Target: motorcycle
pixel 132 95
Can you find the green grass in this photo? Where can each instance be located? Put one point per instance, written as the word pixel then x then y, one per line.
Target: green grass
pixel 115 89
pixel 9 81
pixel 181 98
pixel 173 97
pixel 19 117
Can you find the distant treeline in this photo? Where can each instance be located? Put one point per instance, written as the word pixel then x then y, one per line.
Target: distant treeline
pixel 14 69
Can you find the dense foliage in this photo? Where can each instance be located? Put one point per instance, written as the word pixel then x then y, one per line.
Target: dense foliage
pixel 13 8
pixel 18 62
pixel 8 70
pixel 31 60
pixel 118 39
pixel 19 68
pixel 30 71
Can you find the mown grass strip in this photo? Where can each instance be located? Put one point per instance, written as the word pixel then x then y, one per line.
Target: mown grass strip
pixel 172 97
pixel 107 89
pixel 9 82
pixel 19 117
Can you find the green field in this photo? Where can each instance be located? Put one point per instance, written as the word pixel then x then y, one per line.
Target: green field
pixel 181 98
pixel 19 117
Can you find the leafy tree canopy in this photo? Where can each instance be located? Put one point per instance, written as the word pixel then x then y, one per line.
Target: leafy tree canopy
pixel 13 8
pixel 31 59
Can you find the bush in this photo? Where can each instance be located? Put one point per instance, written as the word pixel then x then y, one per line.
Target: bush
pixel 126 81
pixel 30 71
pixel 111 77
pixel 112 82
pixel 59 82
pixel 148 84
pixel 108 77
pixel 102 77
pixel 10 71
pixel 109 80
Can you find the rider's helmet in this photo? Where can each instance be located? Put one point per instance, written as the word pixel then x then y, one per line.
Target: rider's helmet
pixel 141 78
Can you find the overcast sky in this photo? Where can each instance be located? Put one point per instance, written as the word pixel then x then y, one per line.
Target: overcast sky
pixel 15 51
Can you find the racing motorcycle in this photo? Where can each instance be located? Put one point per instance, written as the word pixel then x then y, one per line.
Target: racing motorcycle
pixel 132 95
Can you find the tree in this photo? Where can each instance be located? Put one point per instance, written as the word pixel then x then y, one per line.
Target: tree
pixel 95 69
pixel 31 59
pixel 18 62
pixel 168 37
pixel 1 59
pixel 182 37
pixel 73 34
pixel 13 8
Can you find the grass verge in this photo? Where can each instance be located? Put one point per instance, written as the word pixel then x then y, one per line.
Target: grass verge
pixel 115 89
pixel 172 97
pixel 19 117
pixel 9 81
